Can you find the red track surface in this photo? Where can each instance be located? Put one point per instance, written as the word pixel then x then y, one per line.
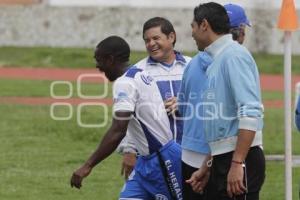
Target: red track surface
pixel 50 74
pixel 268 83
pixel 49 100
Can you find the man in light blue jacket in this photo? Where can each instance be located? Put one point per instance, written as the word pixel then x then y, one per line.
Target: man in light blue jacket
pixel 297 114
pixel 193 142
pixel 232 110
pixel 238 21
pixel 194 145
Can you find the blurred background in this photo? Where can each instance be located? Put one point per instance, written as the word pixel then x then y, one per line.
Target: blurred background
pixel 82 23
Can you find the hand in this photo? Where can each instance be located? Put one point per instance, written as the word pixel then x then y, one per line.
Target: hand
pixel 79 174
pixel 235 185
pixel 128 164
pixel 199 179
pixel 171 105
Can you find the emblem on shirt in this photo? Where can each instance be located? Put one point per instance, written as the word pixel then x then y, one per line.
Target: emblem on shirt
pixel 160 197
pixel 146 79
pixel 120 96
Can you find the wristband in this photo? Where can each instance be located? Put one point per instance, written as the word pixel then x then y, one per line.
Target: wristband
pixel 237 162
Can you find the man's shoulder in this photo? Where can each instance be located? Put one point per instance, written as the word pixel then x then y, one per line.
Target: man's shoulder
pixel 142 63
pixel 235 54
pixel 187 59
pixel 132 72
pixel 201 58
pixel 235 49
pixel 130 75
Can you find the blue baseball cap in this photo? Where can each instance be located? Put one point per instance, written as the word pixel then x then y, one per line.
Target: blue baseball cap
pixel 237 15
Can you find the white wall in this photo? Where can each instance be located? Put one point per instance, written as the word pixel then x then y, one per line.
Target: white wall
pixel 76 26
pixel 167 3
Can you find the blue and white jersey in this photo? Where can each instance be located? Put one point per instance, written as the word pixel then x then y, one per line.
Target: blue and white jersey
pixel 136 91
pixel 168 79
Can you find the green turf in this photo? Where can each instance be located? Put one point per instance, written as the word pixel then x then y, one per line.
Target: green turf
pixel 273 64
pixel 273 127
pixel 46 57
pixel 272 95
pixel 273 133
pixel 83 58
pixel 274 186
pixel 38 88
pixel 39 154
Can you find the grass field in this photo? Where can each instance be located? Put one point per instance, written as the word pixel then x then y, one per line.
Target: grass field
pixel 38 154
pixel 30 88
pixel 83 58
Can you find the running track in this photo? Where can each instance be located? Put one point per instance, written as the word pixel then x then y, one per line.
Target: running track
pixel 268 83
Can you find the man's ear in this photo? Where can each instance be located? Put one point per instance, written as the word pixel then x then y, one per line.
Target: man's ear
pixel 204 25
pixel 172 36
pixel 110 59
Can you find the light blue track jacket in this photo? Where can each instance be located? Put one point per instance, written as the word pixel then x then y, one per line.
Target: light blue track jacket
pixel 232 99
pixel 189 103
pixel 297 114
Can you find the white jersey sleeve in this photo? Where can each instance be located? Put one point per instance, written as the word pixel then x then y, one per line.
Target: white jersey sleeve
pixel 127 145
pixel 136 91
pixel 125 95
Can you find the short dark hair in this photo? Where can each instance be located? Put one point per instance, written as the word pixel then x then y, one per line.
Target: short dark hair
pixel 165 25
pixel 115 46
pixel 216 16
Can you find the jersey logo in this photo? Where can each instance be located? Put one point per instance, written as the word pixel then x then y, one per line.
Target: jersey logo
pixel 120 96
pixel 160 197
pixel 146 79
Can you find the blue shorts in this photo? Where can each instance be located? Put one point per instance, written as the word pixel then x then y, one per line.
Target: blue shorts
pixel 147 181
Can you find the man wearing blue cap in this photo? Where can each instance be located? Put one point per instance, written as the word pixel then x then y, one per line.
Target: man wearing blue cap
pixel 194 146
pixel 232 112
pixel 238 21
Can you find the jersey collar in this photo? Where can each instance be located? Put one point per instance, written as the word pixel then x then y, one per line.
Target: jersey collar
pixel 178 58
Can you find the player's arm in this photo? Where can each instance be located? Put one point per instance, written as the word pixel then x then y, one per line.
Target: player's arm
pixel 128 150
pixel 128 163
pixel 244 81
pixel 109 143
pixel 199 178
